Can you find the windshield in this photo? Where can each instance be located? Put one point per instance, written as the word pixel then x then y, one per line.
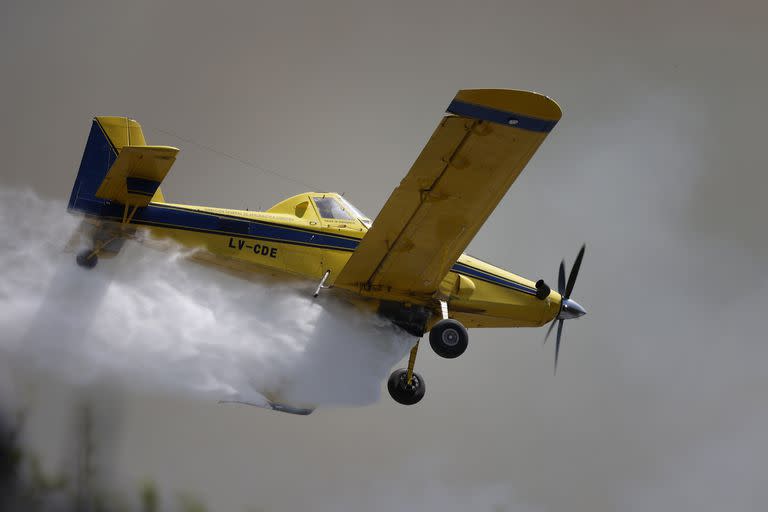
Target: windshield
pixel 357 213
pixel 329 208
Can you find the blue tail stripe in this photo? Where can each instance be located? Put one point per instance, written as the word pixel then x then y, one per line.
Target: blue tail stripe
pixel 141 186
pixel 98 157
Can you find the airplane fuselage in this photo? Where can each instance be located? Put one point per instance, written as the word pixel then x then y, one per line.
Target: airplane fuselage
pixel 278 242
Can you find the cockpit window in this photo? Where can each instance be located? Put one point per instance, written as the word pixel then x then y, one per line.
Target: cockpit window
pixel 330 208
pixel 357 213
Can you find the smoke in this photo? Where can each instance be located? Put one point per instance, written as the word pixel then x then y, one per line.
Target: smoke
pixel 154 321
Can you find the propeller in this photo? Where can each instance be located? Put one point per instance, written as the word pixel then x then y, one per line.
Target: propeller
pixel 568 308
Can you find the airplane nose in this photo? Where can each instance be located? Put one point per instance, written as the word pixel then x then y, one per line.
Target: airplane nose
pixel 571 309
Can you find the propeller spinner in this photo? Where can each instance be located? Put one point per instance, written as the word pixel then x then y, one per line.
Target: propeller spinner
pixel 568 308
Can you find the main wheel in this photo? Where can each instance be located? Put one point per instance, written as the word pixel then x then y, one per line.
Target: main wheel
pixel 401 391
pixel 449 338
pixel 87 259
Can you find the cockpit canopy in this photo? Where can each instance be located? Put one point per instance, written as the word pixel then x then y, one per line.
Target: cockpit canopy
pixel 325 205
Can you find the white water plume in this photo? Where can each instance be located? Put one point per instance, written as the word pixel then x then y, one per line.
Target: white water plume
pixel 153 320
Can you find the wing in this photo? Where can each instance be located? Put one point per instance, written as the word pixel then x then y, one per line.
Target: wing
pixel 469 163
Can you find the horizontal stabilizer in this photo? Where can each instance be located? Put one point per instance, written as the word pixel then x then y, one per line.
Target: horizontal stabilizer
pixel 136 174
pixel 119 167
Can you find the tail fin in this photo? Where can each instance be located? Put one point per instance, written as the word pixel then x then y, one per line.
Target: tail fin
pixel 159 197
pixel 108 136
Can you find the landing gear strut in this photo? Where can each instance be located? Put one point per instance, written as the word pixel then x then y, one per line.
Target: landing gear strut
pixel 448 339
pixel 406 386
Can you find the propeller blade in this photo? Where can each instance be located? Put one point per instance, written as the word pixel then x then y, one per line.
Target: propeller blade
pixel 568 308
pixel 549 331
pixel 574 272
pixel 557 346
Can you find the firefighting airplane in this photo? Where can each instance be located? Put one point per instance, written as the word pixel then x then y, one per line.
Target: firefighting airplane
pixel 408 265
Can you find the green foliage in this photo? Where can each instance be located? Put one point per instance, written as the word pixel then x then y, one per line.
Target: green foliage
pixel 188 503
pixel 42 482
pixel 10 454
pixel 26 486
pixel 150 500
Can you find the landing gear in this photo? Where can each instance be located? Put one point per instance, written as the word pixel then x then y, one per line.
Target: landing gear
pixel 401 391
pixel 448 338
pixel 406 386
pixel 87 258
pixel 105 242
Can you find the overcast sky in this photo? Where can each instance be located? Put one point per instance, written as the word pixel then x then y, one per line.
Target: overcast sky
pixel 659 164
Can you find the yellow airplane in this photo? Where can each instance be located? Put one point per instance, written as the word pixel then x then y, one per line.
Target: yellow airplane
pixel 407 265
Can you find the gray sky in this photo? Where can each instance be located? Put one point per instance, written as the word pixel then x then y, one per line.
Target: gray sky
pixel 658 164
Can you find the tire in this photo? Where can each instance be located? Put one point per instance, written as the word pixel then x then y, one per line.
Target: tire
pixel 86 260
pixel 448 338
pixel 401 392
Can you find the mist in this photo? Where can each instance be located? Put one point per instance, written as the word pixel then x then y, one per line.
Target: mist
pixel 154 321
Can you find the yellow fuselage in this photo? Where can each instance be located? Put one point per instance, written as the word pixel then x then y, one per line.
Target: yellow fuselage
pixel 292 239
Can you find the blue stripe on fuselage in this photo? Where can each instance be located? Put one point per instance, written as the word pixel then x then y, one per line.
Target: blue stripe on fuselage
pixel 179 218
pixel 176 218
pixel 462 268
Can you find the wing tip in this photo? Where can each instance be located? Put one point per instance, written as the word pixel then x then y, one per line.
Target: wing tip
pixel 499 105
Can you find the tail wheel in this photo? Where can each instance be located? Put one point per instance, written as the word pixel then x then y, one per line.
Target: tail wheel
pixel 449 338
pixel 402 392
pixel 87 258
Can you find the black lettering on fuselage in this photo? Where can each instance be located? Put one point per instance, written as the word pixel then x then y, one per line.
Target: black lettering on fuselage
pixel 258 249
